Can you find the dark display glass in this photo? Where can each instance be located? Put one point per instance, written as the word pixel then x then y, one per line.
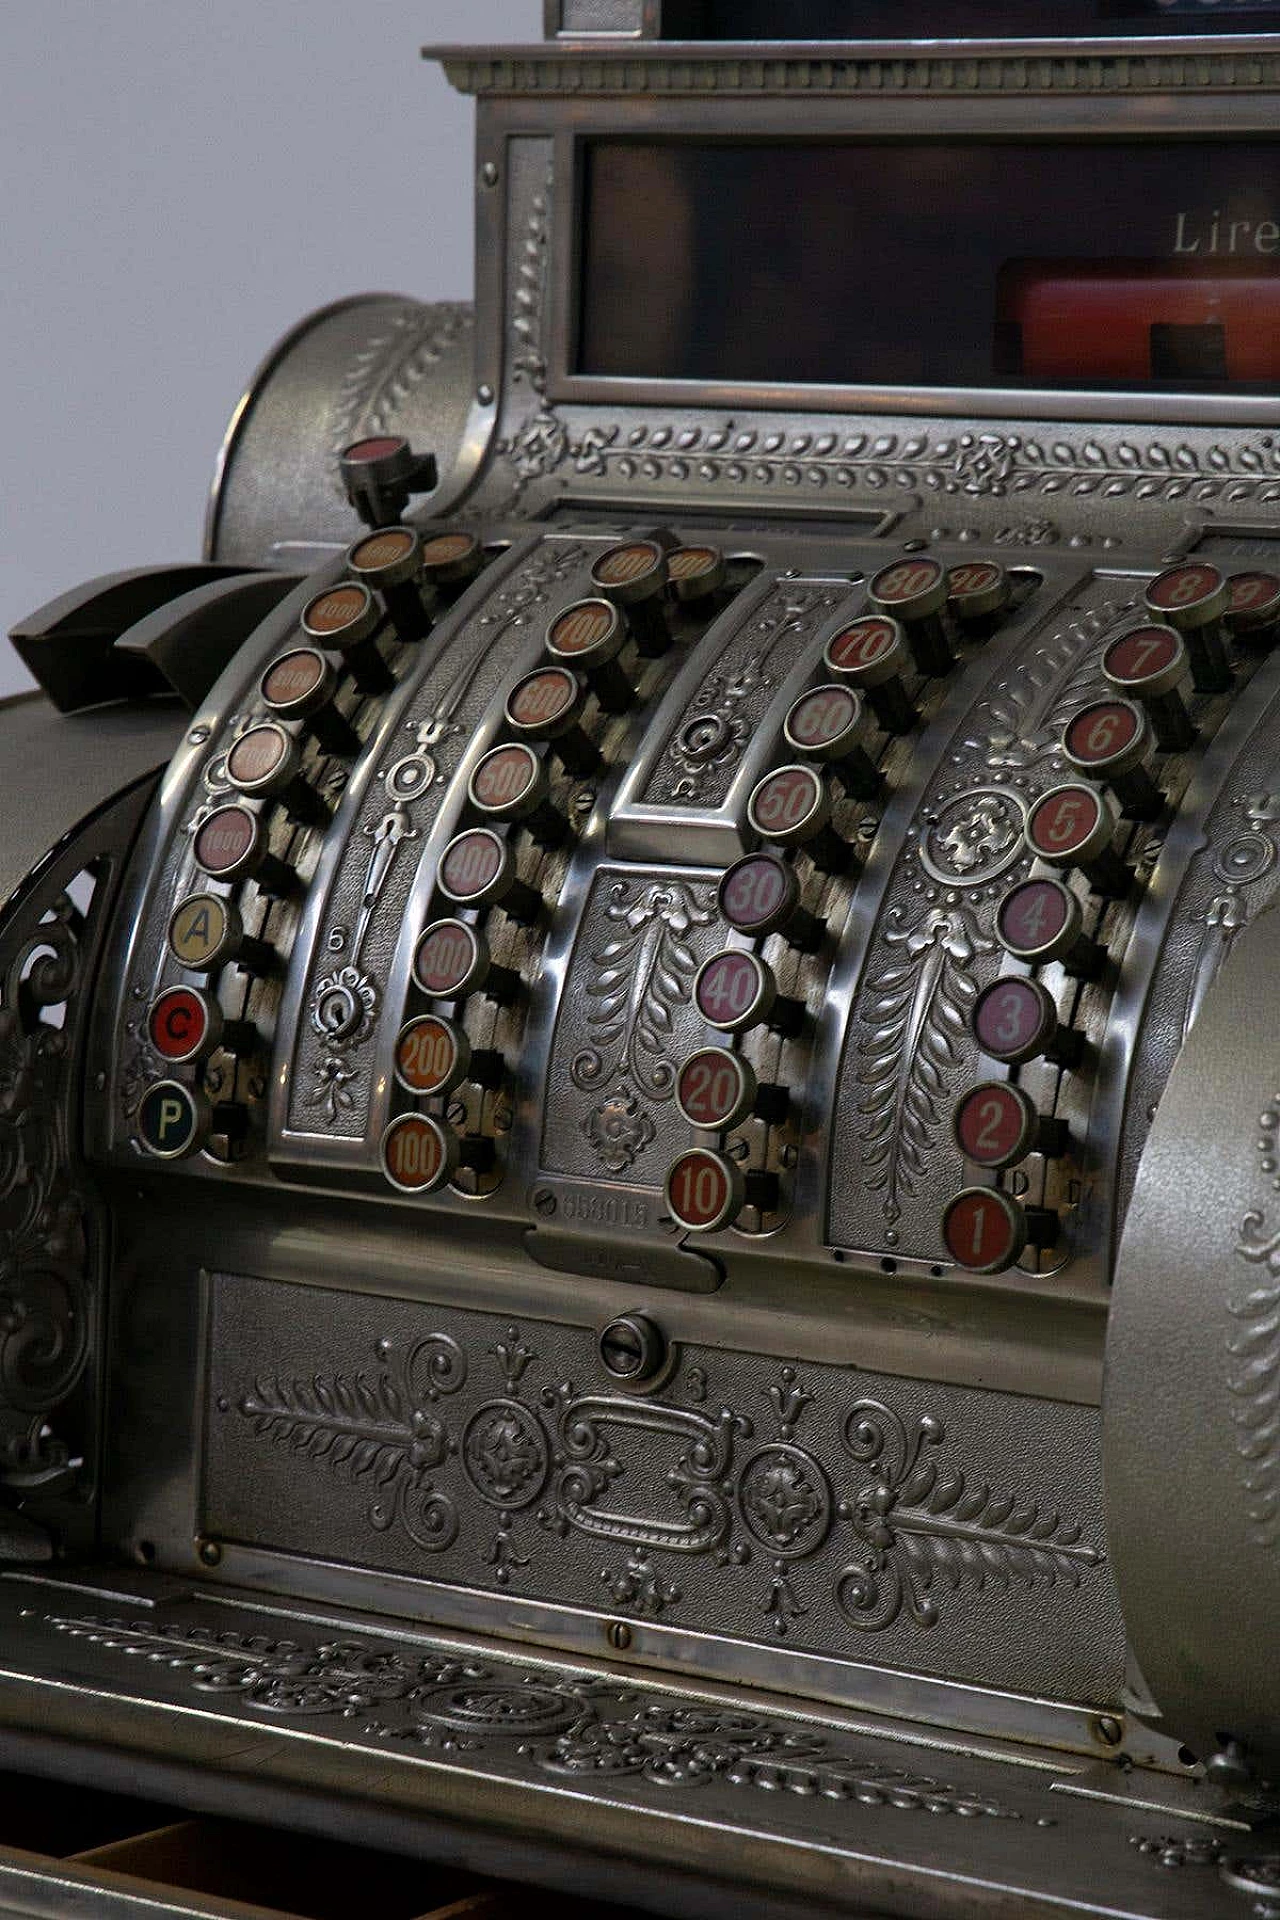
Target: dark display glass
pixel 1143 266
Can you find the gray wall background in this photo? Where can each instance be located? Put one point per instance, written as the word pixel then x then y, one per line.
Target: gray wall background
pixel 180 181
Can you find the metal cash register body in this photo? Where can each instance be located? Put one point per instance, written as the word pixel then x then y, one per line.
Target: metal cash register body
pixel 639 1086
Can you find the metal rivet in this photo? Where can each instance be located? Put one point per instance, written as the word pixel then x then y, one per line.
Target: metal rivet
pixel 1109 1730
pixel 210 1553
pixel 489 173
pixel 484 394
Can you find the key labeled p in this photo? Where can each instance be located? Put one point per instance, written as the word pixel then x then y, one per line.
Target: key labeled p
pixel 173 1120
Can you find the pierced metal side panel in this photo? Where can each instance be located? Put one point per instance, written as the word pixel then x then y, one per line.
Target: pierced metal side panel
pixel 833 1510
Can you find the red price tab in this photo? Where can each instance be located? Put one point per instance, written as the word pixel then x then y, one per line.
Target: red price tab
pixel 715 1089
pixel 1064 822
pixel 1013 1019
pixel 1033 916
pixel 446 959
pixel 226 840
pixel 542 698
pixel 623 566
pixel 905 581
pixel 503 778
pixel 1182 587
pixel 416 1154
pixel 428 1056
pixel 731 991
pixel 983 1230
pixel 1102 732
pixel 995 1124
pixel 864 644
pixel 758 893
pixel 293 679
pixel 257 756
pixel 704 1191
pixel 974 577
pixel 582 629
pixel 472 864
pixel 784 802
pixel 823 718
pixel 1143 655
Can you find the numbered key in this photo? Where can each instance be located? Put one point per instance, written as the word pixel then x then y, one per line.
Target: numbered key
pixel 633 576
pixel 1193 597
pixel 828 724
pixel 419 1153
pixel 718 1090
pixel 871 655
pixel 511 783
pixel 451 961
pixel 996 1124
pixel 589 636
pixel 978 594
pixel 1253 607
pixel 1040 921
pixel 1151 664
pixel 478 869
pixel 760 894
pixel 547 705
pixel 1111 740
pixel 1016 1020
pixel 1075 826
pixel 704 1191
pixel 736 991
pixel 345 620
pixel 792 808
pixel 984 1230
pixel 914 592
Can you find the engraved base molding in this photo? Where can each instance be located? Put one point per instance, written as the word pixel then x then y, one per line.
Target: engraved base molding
pixel 795 1813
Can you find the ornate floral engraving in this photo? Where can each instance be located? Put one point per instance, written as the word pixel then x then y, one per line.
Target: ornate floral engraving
pixel 590 1466
pixel 505 1454
pixel 389 367
pixel 1239 863
pixel 538 1721
pixel 1253 1350
pixel 373 1427
pixel 786 1501
pixel 923 1527
pixel 916 1014
pixel 1178 1850
pixel 640 977
pixel 639 1588
pixel 1021 721
pixel 974 837
pixel 715 733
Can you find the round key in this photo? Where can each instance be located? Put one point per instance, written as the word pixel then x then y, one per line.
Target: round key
pixel 760 894
pixel 589 636
pixel 792 808
pixel 266 761
pixel 478 869
pixel 1111 740
pixel 1074 826
pixel 736 991
pixel 914 591
pixel 1193 598
pixel 633 575
pixel 696 574
pixel 704 1191
pixel 184 1024
pixel 231 844
pixel 984 1230
pixel 451 961
pixel 344 620
pixel 978 593
pixel 390 561
pixel 1151 664
pixel 547 705
pixel 1015 1020
pixel 302 685
pixel 1041 921
pixel 450 561
pixel 173 1120
pixel 997 1124
pixel 871 655
pixel 419 1153
pixel 716 1089
pixel 206 932
pixel 511 783
pixel 1253 607
pixel 380 472
pixel 828 724
pixel 433 1055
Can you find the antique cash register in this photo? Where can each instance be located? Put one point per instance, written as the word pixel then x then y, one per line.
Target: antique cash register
pixel 639 1060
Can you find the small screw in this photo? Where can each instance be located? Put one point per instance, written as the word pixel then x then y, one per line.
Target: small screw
pixel 632 1348
pixel 544 1202
pixel 456 1113
pixel 618 1634
pixel 489 173
pixel 198 736
pixel 1109 1730
pixel 210 1553
pixel 484 395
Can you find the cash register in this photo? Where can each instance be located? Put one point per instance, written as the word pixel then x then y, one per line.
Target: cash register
pixel 639 1042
